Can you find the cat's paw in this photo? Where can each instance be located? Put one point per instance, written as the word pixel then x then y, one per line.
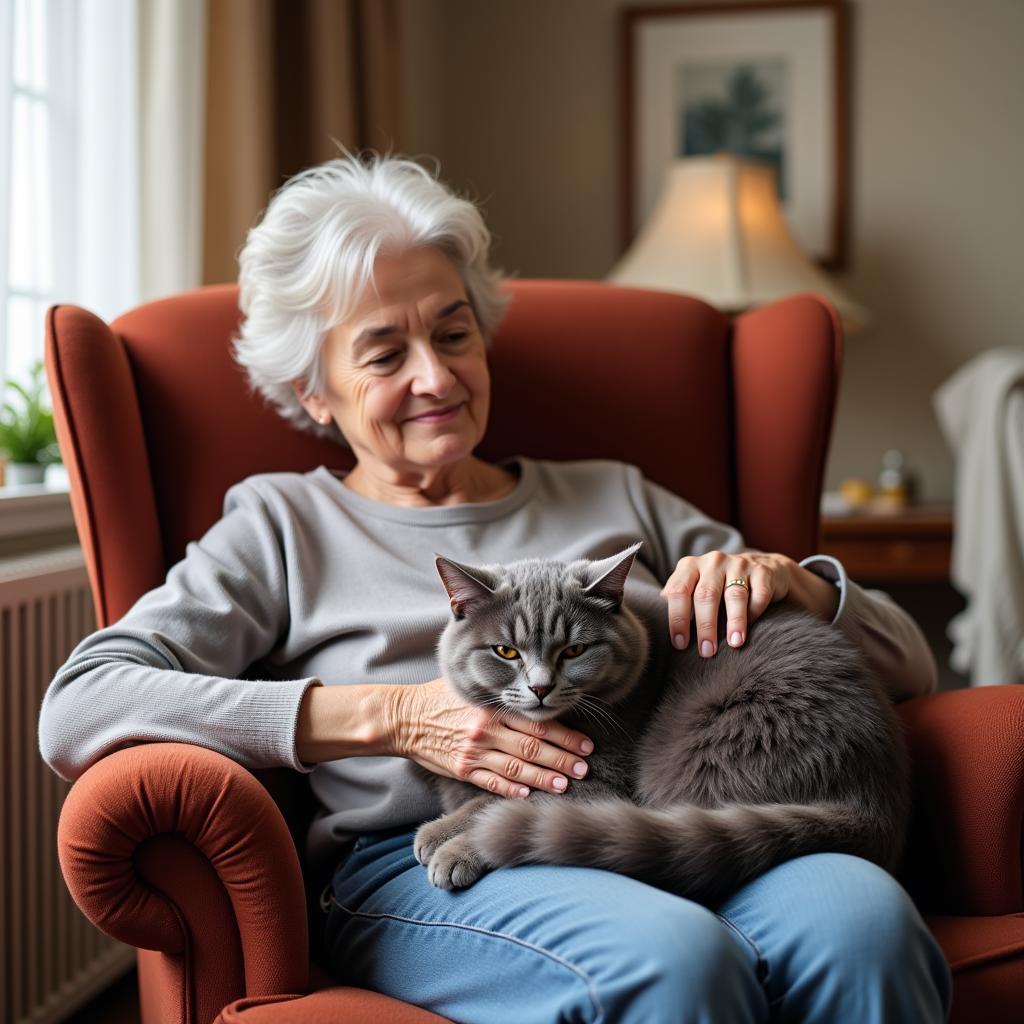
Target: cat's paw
pixel 455 865
pixel 429 836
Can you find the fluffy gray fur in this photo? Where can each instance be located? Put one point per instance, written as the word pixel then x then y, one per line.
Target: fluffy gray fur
pixel 785 746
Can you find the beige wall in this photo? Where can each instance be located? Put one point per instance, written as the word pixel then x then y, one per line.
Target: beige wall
pixel 519 99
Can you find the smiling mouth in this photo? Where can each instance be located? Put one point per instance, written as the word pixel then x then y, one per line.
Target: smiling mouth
pixel 437 414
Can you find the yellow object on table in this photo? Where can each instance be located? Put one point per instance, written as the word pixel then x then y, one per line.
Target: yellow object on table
pixel 856 492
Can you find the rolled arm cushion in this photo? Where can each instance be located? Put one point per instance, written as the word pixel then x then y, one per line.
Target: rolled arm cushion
pixel 177 848
pixel 964 856
pixel 329 1006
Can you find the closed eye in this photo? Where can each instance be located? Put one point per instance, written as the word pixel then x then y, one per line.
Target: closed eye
pixel 453 337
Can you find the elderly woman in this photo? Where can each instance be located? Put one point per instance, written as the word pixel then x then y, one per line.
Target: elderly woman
pixel 369 304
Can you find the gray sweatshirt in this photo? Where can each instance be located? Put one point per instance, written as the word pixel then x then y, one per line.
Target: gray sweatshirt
pixel 305 582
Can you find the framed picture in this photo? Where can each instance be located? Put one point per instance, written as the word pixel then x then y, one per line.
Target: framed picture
pixel 760 80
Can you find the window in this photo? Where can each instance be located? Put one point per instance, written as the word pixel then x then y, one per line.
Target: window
pixel 68 166
pixel 27 217
pixel 68 188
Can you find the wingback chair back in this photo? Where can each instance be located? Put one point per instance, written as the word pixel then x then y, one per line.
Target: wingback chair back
pixel 156 421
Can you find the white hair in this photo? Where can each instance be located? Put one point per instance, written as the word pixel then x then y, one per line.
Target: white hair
pixel 304 266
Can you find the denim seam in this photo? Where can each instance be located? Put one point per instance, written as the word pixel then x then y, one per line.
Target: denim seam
pixel 581 974
pixel 773 1004
pixel 761 961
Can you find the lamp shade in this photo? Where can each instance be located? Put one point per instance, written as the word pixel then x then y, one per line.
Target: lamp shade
pixel 718 232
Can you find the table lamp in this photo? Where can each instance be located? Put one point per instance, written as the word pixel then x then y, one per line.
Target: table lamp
pixel 718 233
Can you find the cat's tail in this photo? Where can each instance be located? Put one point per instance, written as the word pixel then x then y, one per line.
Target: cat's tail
pixel 702 854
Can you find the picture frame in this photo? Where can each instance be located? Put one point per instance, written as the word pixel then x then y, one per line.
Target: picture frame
pixel 762 80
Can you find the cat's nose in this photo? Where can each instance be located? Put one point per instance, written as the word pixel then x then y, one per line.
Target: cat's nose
pixel 541 691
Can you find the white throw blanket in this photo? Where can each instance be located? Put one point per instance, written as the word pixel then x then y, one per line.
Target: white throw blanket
pixel 981 411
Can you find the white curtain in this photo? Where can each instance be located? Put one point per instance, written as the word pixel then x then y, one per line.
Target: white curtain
pixel 100 172
pixel 127 179
pixel 172 83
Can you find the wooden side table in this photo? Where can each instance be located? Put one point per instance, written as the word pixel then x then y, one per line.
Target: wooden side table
pixel 906 554
pixel 909 546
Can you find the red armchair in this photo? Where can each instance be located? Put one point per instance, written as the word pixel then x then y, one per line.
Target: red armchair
pixel 183 853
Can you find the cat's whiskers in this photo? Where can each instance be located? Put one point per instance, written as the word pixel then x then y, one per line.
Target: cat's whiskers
pixel 601 714
pixel 501 713
pixel 588 714
pixel 498 709
pixel 601 718
pixel 588 702
pixel 600 700
pixel 496 702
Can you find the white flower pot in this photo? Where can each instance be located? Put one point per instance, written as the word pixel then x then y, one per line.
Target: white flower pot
pixel 16 473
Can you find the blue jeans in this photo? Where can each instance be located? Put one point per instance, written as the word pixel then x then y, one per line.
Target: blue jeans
pixel 828 937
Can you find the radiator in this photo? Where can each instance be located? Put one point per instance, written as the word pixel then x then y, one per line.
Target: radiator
pixel 54 960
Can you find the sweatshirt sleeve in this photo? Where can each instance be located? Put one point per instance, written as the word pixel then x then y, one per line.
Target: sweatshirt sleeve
pixel 891 641
pixel 674 528
pixel 168 669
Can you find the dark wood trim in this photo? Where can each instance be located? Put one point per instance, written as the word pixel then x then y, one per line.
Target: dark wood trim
pixel 912 545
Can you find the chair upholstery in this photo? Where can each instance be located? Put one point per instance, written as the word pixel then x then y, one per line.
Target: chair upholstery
pixel 184 854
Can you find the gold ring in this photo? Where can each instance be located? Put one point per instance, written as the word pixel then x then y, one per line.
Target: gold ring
pixel 740 581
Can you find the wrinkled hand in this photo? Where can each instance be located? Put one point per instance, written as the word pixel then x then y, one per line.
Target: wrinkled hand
pixel 696 588
pixel 431 725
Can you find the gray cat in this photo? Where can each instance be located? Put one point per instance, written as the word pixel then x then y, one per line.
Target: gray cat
pixel 785 746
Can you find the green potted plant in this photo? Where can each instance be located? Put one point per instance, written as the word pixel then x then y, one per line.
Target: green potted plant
pixel 27 437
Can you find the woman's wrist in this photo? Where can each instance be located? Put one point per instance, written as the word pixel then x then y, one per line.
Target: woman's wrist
pixel 809 591
pixel 400 718
pixel 344 721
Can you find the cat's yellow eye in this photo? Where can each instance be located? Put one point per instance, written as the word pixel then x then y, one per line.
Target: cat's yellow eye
pixel 507 652
pixel 575 651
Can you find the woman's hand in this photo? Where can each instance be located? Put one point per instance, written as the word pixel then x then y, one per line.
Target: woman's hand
pixel 430 725
pixel 696 588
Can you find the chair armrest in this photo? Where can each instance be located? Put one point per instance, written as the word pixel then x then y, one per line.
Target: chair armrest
pixel 177 848
pixel 966 747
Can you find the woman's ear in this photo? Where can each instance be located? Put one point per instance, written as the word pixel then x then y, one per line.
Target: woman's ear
pixel 313 405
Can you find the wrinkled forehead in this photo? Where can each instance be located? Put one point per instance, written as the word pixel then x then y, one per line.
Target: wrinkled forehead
pixel 399 281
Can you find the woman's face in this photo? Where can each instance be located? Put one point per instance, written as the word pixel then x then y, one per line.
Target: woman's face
pixel 410 347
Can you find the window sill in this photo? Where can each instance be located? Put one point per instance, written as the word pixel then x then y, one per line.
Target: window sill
pixel 34 511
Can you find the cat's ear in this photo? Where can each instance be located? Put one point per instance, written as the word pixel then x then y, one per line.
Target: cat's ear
pixel 464 583
pixel 608 575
